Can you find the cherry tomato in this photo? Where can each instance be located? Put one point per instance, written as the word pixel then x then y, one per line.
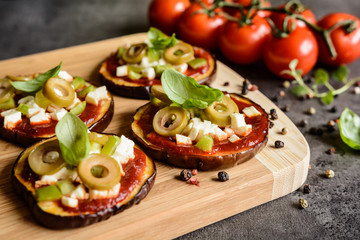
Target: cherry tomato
pixel 198 28
pixel 278 18
pixel 300 44
pixel 347 45
pixel 263 3
pixel 164 14
pixel 244 44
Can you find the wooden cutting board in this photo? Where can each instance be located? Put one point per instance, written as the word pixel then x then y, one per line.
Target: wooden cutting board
pixel 173 207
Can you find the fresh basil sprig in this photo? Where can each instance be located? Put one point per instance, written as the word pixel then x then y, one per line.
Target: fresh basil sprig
pixel 186 92
pixel 349 126
pixel 36 84
pixel 159 40
pixel 72 134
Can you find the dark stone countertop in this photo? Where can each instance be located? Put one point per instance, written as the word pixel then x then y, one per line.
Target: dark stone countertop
pixel 28 27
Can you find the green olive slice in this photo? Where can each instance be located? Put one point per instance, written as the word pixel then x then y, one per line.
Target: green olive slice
pixel 170 121
pixel 219 112
pixel 179 54
pixel 158 92
pixel 18 78
pixel 6 94
pixel 110 171
pixel 135 53
pixel 46 158
pixel 59 92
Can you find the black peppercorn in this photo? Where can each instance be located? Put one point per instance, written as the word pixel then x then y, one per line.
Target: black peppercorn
pixel 333 109
pixel 223 176
pixel 279 144
pixel 286 108
pixel 303 123
pixel 226 84
pixel 273 114
pixel 307 188
pixel 245 87
pixel 271 124
pixel 185 174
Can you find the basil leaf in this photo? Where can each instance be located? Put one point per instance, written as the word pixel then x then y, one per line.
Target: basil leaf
pixel 72 134
pixel 299 91
pixel 341 73
pixel 321 76
pixel 328 99
pixel 349 126
pixel 36 84
pixel 159 40
pixel 186 92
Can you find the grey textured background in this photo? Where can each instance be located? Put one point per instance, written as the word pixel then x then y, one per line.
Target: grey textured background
pixel 28 27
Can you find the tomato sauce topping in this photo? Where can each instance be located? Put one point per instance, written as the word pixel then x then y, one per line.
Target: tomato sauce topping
pixel 256 136
pixel 112 64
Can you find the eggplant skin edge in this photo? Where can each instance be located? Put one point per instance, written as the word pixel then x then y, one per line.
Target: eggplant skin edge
pixel 205 163
pixel 143 92
pixel 58 222
pixel 25 140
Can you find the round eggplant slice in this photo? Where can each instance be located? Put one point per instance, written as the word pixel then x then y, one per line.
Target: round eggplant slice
pixel 224 154
pixel 140 89
pixel 53 215
pixel 24 137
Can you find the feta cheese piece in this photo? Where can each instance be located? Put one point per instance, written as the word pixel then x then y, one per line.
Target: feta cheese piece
pixel 149 73
pixel 182 67
pixel 234 138
pixel 33 111
pixel 11 118
pixel 103 194
pixel 219 134
pixel 251 111
pixel 79 192
pixel 75 102
pixel 69 202
pixel 229 132
pixel 205 129
pixel 244 130
pixel 45 180
pixel 162 61
pixel 58 114
pixel 183 140
pixel 40 118
pixel 237 120
pixel 65 75
pixel 145 62
pixel 65 173
pixel 194 132
pixel 95 96
pixel 125 151
pixel 122 71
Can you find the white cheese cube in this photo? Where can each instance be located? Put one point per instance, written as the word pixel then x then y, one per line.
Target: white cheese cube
pixel 244 130
pixel 182 67
pixel 65 173
pixel 45 180
pixel 122 71
pixel 95 96
pixel 237 120
pixel 79 192
pixel 194 132
pixel 234 138
pixel 145 62
pixel 58 114
pixel 11 118
pixel 32 111
pixel 40 118
pixel 195 120
pixel 229 132
pixel 26 99
pixel 162 61
pixel 205 129
pixel 52 108
pixel 149 73
pixel 251 111
pixel 125 151
pixel 103 194
pixel 8 112
pixel 75 102
pixel 220 134
pixel 183 140
pixel 69 202
pixel 65 75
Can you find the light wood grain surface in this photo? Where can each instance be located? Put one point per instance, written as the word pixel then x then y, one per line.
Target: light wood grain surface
pixel 173 207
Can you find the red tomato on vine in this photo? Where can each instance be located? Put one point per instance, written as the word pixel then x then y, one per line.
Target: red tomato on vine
pixel 164 14
pixel 299 44
pixel 346 39
pixel 244 44
pixel 263 3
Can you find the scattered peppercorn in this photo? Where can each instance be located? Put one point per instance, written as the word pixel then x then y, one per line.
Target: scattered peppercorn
pixel 330 151
pixel 358 83
pixel 333 109
pixel 194 172
pixel 303 203
pixel 194 181
pixel 329 173
pixel 303 123
pixel 223 176
pixel 226 84
pixel 331 123
pixel 309 167
pixel 271 124
pixel 286 108
pixel 284 131
pixel 282 93
pixel 275 99
pixel 254 87
pixel 309 96
pixel 279 144
pixel 307 188
pixel 357 90
pixel 302 98
pixel 245 87
pixel 311 111
pixel 273 114
pixel 286 84
pixel 316 131
pixel 185 175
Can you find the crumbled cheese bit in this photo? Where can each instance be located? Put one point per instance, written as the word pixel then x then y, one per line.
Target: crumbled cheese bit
pixel 8 112
pixel 52 108
pixel 162 61
pixel 95 96
pixel 220 134
pixel 69 202
pixel 103 194
pixel 125 151
pixel 244 130
pixel 182 67
pixel 149 73
pixel 58 114
pixel 65 75
pixel 75 102
pixel 122 71
pixel 237 120
pixel 11 118
pixel 183 140
pixel 40 118
pixel 234 138
pixel 63 173
pixel 33 111
pixel 251 111
pixel 79 192
pixel 229 132
pixel 45 180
